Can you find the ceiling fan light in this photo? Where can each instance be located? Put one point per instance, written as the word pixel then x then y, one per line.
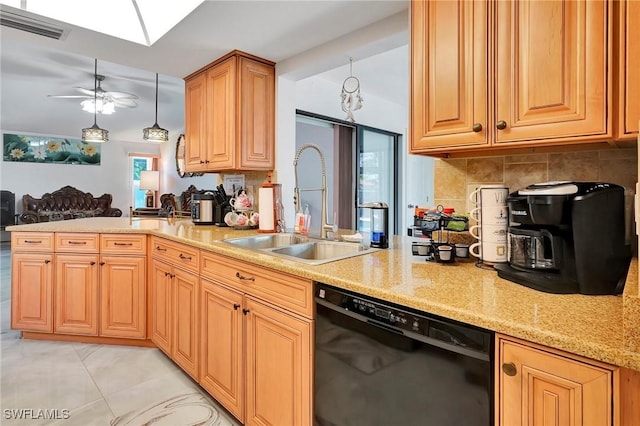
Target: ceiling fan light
pixel 108 107
pixel 99 106
pixel 155 134
pixel 95 134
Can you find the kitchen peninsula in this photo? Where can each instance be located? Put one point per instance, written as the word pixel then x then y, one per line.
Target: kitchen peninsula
pixel 603 330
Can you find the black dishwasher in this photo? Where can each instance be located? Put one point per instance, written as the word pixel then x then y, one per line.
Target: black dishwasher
pixel 377 363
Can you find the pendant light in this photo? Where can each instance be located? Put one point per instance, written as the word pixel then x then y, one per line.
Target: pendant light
pixel 155 133
pixel 94 133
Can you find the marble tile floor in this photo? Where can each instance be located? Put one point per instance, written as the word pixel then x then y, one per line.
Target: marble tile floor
pixel 69 384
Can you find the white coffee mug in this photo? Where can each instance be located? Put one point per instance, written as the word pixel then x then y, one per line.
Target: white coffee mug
pixel 490 233
pixel 489 251
pixel 490 195
pixel 493 215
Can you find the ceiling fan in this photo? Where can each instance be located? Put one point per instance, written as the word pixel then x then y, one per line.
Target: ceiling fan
pixel 104 102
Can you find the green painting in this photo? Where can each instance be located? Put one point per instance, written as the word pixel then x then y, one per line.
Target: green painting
pixel 51 150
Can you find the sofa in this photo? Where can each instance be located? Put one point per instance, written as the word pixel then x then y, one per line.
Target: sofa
pixel 66 203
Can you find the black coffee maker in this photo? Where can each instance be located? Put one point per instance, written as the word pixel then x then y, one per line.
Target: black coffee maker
pixel 568 237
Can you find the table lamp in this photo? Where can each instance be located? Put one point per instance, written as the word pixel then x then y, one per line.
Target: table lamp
pixel 150 180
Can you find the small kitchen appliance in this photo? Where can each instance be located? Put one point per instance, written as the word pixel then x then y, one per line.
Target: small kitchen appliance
pixel 567 237
pixel 202 207
pixel 379 223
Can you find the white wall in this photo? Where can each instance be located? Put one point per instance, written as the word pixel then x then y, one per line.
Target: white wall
pixel 111 176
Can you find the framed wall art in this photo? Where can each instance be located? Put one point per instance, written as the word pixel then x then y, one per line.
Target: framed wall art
pixel 52 150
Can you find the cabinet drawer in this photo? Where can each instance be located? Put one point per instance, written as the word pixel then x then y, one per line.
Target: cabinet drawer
pixel 76 242
pixel 176 254
pixel 292 293
pixel 123 244
pixel 32 241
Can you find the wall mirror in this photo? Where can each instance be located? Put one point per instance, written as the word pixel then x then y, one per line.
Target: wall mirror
pixel 180 159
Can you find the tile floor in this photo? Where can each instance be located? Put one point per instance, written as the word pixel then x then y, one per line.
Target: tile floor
pixel 69 384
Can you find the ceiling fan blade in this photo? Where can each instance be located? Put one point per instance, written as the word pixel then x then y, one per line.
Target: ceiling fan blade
pixel 71 96
pixel 120 95
pixel 85 91
pixel 125 103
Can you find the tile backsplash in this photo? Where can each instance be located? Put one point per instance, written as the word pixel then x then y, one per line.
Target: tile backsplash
pixel 455 179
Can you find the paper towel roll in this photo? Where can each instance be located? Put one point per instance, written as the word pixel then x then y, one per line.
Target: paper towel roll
pixel 266 209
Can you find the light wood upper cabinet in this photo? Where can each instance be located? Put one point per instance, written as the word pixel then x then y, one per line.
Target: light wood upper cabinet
pixel 536 387
pixel 627 62
pixel 449 74
pixel 553 71
pixel 230 115
pixel 491 75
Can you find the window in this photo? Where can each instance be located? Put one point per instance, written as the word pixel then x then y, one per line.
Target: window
pixel 138 163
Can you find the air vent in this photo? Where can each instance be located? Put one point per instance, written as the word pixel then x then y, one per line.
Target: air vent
pixel 29 25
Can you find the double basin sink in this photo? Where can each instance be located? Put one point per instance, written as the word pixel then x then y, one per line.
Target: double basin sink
pixel 300 248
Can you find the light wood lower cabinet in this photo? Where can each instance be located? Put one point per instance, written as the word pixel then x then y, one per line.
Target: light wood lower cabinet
pixel 174 302
pixel 123 296
pixel 538 387
pixel 76 289
pixel 256 356
pixel 32 291
pixel 82 284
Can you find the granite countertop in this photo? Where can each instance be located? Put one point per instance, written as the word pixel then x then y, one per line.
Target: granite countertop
pixel 604 328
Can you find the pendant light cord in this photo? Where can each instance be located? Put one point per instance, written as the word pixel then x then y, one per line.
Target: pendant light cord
pixel 95 93
pixel 156 123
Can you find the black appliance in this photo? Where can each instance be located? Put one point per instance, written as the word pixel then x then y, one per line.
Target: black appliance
pixel 377 363
pixel 202 208
pixel 568 237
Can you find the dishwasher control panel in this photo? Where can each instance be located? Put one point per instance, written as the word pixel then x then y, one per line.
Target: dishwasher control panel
pixel 397 318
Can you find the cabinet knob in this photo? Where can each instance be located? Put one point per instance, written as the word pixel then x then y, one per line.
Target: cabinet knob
pixel 245 311
pixel 509 369
pixel 501 125
pixel 235 306
pixel 47 261
pixel 92 263
pixel 102 263
pixel 477 127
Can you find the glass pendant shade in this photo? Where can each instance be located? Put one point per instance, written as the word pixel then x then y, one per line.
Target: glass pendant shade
pixel 155 133
pixel 94 133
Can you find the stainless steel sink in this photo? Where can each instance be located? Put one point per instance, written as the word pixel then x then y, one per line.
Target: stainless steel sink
pixel 300 248
pixel 321 251
pixel 268 241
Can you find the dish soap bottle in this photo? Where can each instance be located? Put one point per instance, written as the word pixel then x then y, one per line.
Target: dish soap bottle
pixel 306 221
pixel 299 222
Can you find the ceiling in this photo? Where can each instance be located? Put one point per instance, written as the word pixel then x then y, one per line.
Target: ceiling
pixel 33 67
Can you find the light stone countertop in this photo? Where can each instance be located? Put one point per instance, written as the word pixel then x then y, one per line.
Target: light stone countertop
pixel 604 328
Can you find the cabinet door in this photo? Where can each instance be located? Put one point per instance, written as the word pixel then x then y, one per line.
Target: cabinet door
pixel 279 360
pixel 541 388
pixel 221 341
pixel 161 305
pixel 553 64
pixel 221 115
pixel 123 295
pixel 185 327
pixel 76 290
pixel 32 291
pixel 196 124
pixel 449 74
pixel 628 55
pixel 256 111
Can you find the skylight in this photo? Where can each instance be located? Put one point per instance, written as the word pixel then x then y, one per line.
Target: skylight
pixel 139 21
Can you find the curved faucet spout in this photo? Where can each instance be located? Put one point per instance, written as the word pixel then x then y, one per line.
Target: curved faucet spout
pixel 325 226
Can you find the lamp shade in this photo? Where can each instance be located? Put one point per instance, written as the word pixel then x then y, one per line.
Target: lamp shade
pixel 150 180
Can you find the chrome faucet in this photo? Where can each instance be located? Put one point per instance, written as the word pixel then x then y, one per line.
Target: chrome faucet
pixel 324 226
